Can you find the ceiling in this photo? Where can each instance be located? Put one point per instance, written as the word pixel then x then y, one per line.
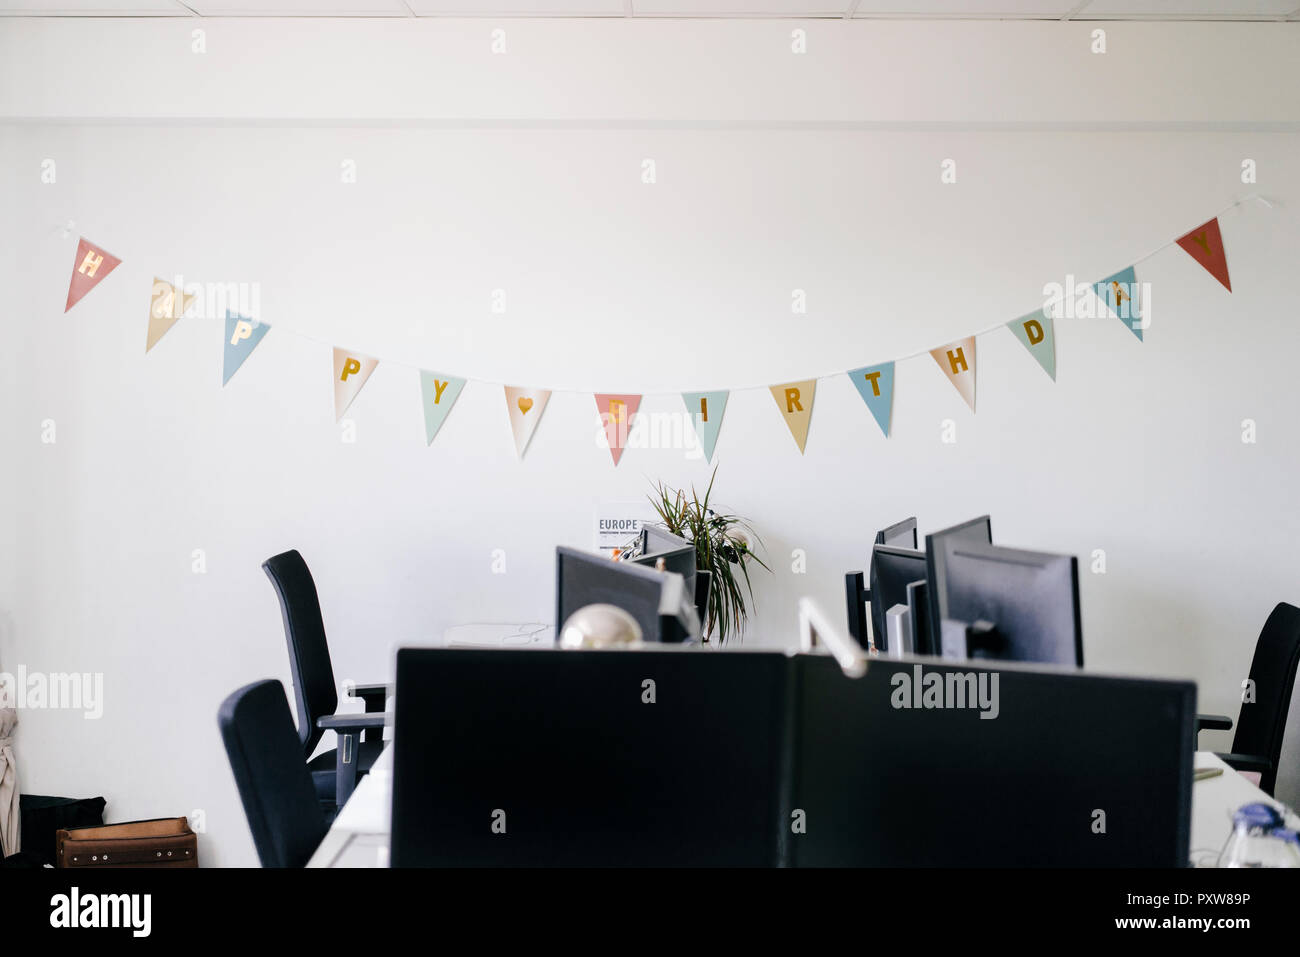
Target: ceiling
pixel 853 9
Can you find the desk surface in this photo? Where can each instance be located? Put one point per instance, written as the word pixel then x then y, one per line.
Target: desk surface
pixel 359 835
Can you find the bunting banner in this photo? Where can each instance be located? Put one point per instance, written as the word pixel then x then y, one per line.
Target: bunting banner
pixel 876 386
pixel 439 393
pixel 957 360
pixel 525 407
pixel 616 413
pixel 351 370
pixel 1119 293
pixel 706 409
pixel 166 306
pixel 88 270
pixel 242 336
pixel 795 400
pixel 1205 245
pixel 1036 334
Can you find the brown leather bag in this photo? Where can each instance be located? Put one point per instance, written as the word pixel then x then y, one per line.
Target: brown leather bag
pixel 161 842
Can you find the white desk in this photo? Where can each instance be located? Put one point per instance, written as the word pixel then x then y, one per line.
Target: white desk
pixel 1213 801
pixel 359 835
pixel 488 635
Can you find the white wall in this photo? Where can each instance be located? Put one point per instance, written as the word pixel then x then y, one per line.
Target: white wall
pixel 1067 163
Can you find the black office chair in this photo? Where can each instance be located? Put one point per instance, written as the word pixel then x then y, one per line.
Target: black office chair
pixel 334 772
pixel 275 787
pixel 1261 724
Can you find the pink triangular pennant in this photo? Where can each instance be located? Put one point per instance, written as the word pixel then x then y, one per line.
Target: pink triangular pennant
pixel 91 265
pixel 616 411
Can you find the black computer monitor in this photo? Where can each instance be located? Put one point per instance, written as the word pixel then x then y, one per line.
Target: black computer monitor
pixel 515 757
pixel 918 607
pixel 1076 769
pixel 678 554
pixel 656 538
pixel 558 758
pixel 892 570
pixel 658 601
pixel 1009 604
pixel 899 535
pixel 976 530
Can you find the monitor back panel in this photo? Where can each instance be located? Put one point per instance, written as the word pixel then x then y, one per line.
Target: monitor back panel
pixel 525 758
pixel 892 570
pixel 1075 770
pixel 583 579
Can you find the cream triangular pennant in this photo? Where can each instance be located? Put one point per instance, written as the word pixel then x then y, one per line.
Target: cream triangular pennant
pixel 165 309
pixel 351 370
pixel 957 360
pixel 795 400
pixel 525 407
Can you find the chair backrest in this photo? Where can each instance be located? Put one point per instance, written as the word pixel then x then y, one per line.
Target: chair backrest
pixel 1262 723
pixel 274 784
pixel 309 655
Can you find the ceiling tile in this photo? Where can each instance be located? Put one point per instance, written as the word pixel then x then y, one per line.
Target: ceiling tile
pixel 520 8
pixel 91 8
pixel 1190 9
pixel 299 8
pixel 740 8
pixel 1010 9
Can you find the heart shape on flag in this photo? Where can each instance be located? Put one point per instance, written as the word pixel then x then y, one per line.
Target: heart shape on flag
pixel 525 404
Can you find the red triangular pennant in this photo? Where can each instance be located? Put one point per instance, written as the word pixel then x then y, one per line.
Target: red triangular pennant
pixel 1205 245
pixel 91 265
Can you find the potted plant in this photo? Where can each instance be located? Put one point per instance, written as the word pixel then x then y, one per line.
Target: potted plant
pixel 722 550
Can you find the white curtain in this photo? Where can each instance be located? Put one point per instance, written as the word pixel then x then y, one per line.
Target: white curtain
pixel 8 784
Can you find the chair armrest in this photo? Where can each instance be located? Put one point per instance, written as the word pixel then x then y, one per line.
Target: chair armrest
pixel 374 696
pixel 1246 762
pixel 1213 722
pixel 351 722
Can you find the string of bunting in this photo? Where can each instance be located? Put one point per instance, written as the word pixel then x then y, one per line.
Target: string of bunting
pixel 1118 293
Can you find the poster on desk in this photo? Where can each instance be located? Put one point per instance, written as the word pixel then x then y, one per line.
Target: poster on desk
pixel 618 523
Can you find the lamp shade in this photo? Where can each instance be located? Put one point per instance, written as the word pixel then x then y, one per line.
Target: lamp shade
pixel 600 626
